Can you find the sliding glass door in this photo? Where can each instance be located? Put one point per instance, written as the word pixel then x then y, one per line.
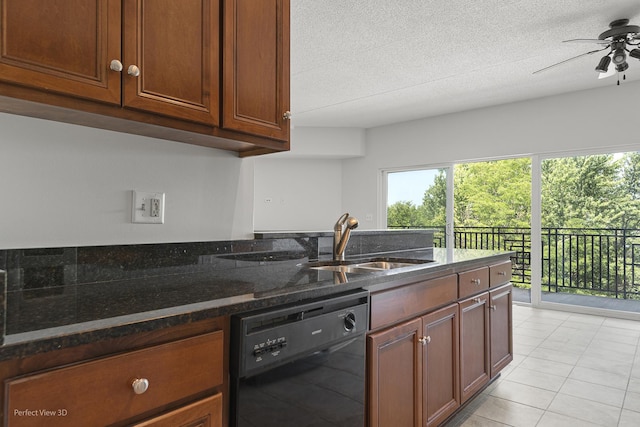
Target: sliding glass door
pixel 420 198
pixel 590 231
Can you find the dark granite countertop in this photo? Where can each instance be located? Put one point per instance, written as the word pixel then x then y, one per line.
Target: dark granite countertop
pixel 63 297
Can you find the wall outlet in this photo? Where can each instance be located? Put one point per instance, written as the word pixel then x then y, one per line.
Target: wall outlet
pixel 147 207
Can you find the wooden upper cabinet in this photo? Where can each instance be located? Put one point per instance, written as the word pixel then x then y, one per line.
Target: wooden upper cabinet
pixel 152 67
pixel 64 46
pixel 175 47
pixel 256 67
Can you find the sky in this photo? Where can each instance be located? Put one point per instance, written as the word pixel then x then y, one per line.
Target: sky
pixel 409 185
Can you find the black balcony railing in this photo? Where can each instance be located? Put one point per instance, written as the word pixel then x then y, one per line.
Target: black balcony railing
pixel 603 262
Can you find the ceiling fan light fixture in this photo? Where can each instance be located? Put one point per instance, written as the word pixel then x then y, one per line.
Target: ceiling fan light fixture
pixel 603 65
pixel 635 53
pixel 619 56
pixel 622 67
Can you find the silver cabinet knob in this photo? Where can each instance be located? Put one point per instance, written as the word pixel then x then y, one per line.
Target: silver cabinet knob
pixel 502 273
pixel 287 115
pixel 116 65
pixel 140 385
pixel 475 281
pixel 494 308
pixel 424 340
pixel 133 70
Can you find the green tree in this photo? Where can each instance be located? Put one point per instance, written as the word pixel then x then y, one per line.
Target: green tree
pixel 630 205
pixel 434 202
pixel 582 192
pixel 494 193
pixel 403 215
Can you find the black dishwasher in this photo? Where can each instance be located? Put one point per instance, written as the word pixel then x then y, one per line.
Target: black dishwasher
pixel 300 365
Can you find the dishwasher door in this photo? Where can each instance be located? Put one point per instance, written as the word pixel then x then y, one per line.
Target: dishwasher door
pixel 300 366
pixel 325 389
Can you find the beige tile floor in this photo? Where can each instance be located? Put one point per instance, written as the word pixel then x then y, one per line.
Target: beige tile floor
pixel 569 370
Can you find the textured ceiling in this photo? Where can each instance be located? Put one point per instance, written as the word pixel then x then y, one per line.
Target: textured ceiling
pixel 366 63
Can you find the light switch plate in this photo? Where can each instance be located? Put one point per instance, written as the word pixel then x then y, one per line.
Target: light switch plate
pixel 147 207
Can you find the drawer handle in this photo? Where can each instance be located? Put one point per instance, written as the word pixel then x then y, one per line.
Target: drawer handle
pixel 502 273
pixel 140 385
pixel 475 281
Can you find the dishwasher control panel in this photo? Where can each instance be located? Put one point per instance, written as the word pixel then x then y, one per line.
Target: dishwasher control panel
pixel 268 338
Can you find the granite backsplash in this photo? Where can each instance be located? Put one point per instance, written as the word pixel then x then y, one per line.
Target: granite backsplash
pixel 39 282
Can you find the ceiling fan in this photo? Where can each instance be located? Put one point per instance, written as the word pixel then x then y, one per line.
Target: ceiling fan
pixel 618 38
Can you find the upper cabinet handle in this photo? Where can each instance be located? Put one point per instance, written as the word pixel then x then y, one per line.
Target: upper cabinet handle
pixel 133 71
pixel 116 65
pixel 287 115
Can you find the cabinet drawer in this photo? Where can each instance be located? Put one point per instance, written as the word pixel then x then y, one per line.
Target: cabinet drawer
pixel 391 306
pixel 499 274
pixel 100 392
pixel 473 281
pixel 205 412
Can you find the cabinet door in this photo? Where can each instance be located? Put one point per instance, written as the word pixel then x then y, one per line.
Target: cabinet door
pixel 175 47
pixel 256 67
pixel 474 344
pixel 394 366
pixel 203 413
pixel 63 46
pixel 501 328
pixel 441 384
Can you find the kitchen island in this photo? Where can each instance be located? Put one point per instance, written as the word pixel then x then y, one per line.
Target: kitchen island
pixel 67 306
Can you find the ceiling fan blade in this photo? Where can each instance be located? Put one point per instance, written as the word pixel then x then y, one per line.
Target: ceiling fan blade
pixel 607 42
pixel 570 59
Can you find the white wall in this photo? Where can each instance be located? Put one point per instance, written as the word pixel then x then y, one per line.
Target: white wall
pixel 297 194
pixel 305 185
pixel 67 185
pixel 586 120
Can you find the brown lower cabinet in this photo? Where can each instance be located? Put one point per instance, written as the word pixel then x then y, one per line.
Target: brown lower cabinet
pixel 395 373
pixel 501 321
pixel 204 413
pixel 430 352
pixel 441 352
pixel 176 382
pixel 414 371
pixel 486 338
pixel 474 344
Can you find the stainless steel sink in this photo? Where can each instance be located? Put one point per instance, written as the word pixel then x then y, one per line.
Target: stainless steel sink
pixel 387 265
pixel 342 268
pixel 368 265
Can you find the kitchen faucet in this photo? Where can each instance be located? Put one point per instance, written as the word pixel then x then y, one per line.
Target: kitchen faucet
pixel 341 234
